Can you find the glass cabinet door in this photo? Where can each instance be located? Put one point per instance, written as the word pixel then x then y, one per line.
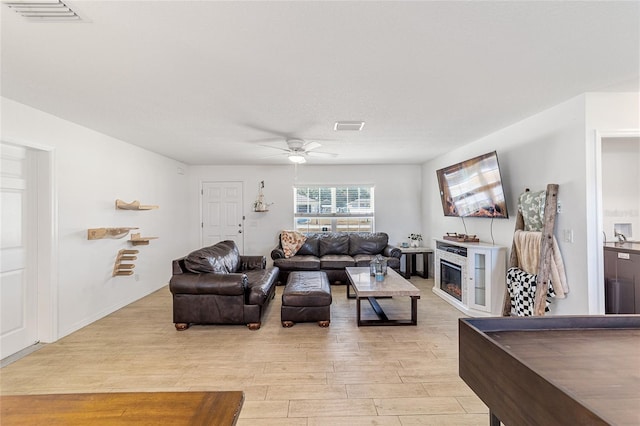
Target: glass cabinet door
pixel 479 290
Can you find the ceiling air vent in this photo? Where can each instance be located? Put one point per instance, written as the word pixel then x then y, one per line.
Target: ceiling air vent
pixel 348 125
pixel 43 10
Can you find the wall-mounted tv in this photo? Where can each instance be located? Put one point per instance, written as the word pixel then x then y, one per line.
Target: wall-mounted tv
pixel 473 188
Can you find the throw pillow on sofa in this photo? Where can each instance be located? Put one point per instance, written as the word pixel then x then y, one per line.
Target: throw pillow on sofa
pixel 220 258
pixel 333 243
pixel 291 241
pixel 310 247
pixel 367 243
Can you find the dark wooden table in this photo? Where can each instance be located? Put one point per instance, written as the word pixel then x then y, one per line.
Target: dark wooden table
pixel 554 370
pixel 149 408
pixel 411 258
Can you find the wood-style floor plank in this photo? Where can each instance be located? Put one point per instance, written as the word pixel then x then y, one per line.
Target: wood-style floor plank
pixel 304 375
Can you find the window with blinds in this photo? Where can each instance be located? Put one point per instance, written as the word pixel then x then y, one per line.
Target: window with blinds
pixel 334 209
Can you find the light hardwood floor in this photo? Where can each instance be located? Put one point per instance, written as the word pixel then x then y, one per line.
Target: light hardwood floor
pixel 304 375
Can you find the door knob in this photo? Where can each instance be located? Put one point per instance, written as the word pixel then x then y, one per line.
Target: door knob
pixel 239 231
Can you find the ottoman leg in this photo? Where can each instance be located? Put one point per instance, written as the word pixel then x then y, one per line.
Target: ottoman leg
pixel 287 324
pixel 323 323
pixel 253 325
pixel 180 326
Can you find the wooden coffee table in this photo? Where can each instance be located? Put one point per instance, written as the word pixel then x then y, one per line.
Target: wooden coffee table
pixel 112 408
pixel 366 287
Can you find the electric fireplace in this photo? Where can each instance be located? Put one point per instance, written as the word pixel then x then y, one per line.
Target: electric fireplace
pixel 451 279
pixel 470 276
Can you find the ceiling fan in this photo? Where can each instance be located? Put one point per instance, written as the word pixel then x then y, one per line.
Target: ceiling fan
pixel 298 150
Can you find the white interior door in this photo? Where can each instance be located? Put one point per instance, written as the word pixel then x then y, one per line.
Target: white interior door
pixel 18 286
pixel 222 213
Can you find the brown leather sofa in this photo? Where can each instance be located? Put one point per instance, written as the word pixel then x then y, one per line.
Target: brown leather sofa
pixel 333 251
pixel 217 285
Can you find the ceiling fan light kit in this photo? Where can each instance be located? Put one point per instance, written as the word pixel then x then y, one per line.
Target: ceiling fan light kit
pixel 297 158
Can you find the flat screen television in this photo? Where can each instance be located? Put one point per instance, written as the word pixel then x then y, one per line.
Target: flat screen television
pixel 473 188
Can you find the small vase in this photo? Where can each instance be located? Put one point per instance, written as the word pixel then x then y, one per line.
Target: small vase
pixel 414 243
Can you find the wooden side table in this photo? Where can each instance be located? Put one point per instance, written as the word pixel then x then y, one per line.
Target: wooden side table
pixel 410 255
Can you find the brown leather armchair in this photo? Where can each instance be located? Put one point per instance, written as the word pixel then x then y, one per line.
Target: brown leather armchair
pixel 217 285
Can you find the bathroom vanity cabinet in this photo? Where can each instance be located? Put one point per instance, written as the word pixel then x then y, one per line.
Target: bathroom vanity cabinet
pixel 622 278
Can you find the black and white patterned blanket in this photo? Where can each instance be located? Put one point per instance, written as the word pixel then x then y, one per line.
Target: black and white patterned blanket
pixel 522 291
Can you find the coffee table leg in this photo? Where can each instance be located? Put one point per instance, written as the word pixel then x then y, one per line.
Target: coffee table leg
pixel 349 295
pixel 358 310
pixel 409 265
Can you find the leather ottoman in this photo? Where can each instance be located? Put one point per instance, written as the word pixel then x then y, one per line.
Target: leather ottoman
pixel 306 298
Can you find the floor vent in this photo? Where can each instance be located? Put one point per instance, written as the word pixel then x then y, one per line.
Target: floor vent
pixel 43 10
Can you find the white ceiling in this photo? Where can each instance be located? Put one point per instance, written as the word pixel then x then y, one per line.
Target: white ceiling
pixel 208 82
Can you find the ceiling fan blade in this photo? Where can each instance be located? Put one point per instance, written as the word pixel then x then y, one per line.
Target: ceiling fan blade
pixel 275 147
pixel 322 154
pixel 308 146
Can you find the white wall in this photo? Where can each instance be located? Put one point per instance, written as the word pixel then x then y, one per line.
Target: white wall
pixel 397 197
pixel 554 146
pixel 545 148
pixel 91 171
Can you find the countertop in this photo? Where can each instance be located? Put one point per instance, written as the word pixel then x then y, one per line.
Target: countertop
pixel 629 246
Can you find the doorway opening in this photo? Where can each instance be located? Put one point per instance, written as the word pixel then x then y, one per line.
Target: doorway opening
pixel 610 179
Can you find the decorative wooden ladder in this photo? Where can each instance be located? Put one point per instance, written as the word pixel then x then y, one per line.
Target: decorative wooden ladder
pixel 546 252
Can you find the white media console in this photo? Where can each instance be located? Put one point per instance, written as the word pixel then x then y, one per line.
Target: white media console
pixel 470 276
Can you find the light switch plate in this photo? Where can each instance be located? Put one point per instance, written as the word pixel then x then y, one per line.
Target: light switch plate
pixel 567 235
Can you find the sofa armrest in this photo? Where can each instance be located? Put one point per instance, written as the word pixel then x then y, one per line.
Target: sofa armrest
pixel 248 263
pixel 277 253
pixel 392 251
pixel 220 284
pixel 178 267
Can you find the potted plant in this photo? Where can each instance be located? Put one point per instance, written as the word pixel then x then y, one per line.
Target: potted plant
pixel 415 240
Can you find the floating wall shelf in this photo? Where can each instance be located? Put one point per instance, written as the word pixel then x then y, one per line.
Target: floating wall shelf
pixel 137 240
pixel 100 233
pixel 134 205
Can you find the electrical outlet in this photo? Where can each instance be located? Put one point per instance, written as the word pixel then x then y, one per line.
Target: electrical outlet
pixel 559 207
pixel 136 277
